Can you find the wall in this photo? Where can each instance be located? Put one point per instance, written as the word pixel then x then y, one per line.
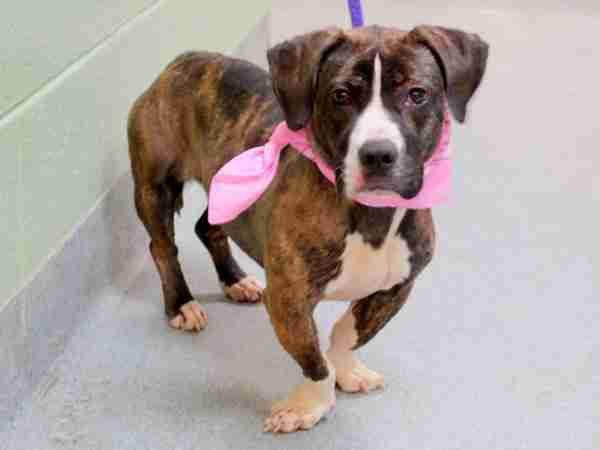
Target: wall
pixel 68 73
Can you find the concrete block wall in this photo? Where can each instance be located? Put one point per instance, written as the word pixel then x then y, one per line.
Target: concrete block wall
pixel 69 72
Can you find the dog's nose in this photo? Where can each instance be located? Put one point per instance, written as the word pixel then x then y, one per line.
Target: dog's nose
pixel 378 156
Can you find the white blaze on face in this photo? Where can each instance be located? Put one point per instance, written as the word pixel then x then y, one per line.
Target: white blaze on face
pixel 374 123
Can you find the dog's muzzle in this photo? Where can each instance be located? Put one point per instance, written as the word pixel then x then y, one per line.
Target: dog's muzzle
pixel 385 168
pixel 378 157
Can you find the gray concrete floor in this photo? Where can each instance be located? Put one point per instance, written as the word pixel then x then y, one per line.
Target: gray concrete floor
pixel 499 346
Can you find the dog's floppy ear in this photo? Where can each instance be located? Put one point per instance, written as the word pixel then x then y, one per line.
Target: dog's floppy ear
pixel 462 58
pixel 294 65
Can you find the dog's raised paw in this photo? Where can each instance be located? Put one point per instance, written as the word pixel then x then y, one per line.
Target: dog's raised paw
pixel 358 378
pixel 191 317
pixel 247 290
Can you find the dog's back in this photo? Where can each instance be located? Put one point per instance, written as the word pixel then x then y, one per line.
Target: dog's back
pixel 202 110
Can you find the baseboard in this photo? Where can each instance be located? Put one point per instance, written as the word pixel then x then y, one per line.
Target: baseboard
pixel 105 249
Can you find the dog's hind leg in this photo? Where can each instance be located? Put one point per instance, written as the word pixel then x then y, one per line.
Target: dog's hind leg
pixel 236 284
pixel 359 324
pixel 156 204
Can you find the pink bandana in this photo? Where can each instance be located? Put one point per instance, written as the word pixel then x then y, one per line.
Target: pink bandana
pixel 241 182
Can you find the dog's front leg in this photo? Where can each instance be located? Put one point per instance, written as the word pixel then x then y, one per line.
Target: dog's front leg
pixel 290 307
pixel 359 324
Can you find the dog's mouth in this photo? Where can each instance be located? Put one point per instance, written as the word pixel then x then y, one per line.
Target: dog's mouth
pixel 407 188
pixel 379 184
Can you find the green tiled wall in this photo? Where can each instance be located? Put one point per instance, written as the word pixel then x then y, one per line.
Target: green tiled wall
pixel 68 73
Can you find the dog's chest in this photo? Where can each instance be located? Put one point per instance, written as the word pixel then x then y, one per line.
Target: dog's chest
pixel 366 269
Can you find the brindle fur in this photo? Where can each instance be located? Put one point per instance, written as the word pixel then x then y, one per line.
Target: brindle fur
pixel 373 312
pixel 217 243
pixel 206 108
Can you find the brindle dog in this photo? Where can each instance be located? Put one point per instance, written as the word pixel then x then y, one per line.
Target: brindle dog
pixel 375 99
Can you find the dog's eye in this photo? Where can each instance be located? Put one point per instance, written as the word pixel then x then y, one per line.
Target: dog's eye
pixel 418 96
pixel 341 97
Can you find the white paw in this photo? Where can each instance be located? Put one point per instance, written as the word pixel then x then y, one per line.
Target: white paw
pixel 247 290
pixel 351 375
pixel 303 409
pixel 191 317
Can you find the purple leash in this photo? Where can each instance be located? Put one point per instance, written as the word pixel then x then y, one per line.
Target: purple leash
pixel 356 14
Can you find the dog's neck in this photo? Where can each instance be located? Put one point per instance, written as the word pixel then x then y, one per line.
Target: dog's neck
pixel 373 224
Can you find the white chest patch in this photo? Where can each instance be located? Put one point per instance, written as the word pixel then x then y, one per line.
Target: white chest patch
pixel 366 270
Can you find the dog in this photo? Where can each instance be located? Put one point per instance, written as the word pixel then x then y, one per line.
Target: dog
pixel 374 99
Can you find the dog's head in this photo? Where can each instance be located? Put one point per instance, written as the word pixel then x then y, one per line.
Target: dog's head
pixel 375 97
